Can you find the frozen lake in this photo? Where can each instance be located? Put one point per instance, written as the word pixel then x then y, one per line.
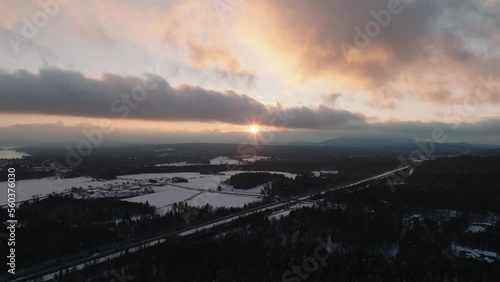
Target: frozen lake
pixel 7 153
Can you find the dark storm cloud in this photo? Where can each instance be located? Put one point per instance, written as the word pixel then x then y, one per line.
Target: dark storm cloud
pixel 57 92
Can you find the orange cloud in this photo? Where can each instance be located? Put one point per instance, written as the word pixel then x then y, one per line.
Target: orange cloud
pixel 445 55
pixel 305 39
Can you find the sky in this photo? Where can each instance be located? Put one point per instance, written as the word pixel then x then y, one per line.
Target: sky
pixel 212 70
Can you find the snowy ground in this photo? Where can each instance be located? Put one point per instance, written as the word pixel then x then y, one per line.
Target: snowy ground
pixel 476 228
pixel 319 172
pixel 224 160
pixel 163 196
pixel 221 160
pixel 180 164
pixel 202 181
pixel 26 189
pixel 169 195
pixel 196 181
pixel 255 158
pixel 207 182
pixel 234 172
pixel 257 189
pixel 187 175
pixel 285 213
pixel 221 200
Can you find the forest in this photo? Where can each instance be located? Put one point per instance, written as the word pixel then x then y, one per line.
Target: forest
pixel 66 228
pixel 367 233
pixel 357 246
pixel 250 180
pixel 370 232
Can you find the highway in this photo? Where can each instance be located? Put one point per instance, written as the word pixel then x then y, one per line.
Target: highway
pixel 148 243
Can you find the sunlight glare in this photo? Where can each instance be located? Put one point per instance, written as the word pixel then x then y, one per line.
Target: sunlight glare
pixel 254 129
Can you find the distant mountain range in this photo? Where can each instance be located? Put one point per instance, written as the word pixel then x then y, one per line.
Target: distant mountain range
pixel 367 141
pixel 396 144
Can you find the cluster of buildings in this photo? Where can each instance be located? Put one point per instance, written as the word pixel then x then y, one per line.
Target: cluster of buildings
pixel 487 256
pixel 116 190
pixel 126 189
pixel 35 166
pixel 49 165
pixel 102 192
pixel 486 222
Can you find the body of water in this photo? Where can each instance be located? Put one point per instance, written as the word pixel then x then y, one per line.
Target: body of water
pixel 7 152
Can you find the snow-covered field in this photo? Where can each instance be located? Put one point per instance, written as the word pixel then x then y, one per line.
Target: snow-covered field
pixel 221 200
pixel 26 189
pixel 476 228
pixel 285 213
pixel 180 164
pixel 195 179
pixel 255 158
pixel 319 172
pixel 256 189
pixel 221 160
pixel 187 175
pixel 207 182
pixel 224 160
pixel 234 172
pixel 203 181
pixel 163 196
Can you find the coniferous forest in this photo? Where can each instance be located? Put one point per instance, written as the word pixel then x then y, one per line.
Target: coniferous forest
pixel 367 233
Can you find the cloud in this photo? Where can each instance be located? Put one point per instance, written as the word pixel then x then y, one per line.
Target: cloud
pixel 484 132
pixel 185 31
pixel 96 35
pixel 310 34
pixel 444 46
pixel 67 93
pixel 331 99
pixel 61 134
pixel 227 65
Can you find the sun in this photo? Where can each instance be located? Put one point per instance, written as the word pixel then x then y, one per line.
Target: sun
pixel 254 129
